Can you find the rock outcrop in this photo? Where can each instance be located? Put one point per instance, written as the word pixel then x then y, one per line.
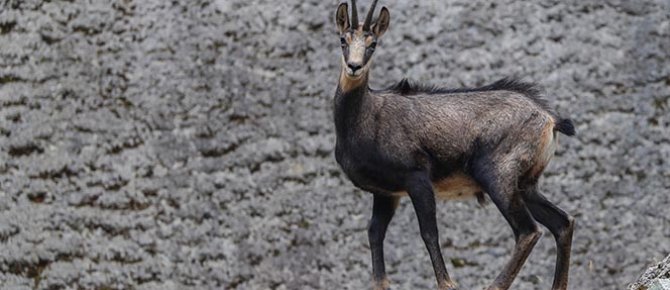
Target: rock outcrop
pixel 656 277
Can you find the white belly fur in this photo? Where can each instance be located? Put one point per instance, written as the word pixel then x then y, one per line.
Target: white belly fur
pixel 454 187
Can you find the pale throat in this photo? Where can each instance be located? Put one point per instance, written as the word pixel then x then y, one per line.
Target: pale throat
pixel 348 82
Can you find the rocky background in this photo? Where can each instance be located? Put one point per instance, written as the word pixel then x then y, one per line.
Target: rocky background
pixel 655 276
pixel 189 144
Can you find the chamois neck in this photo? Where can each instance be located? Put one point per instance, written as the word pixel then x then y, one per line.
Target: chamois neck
pixel 350 101
pixel 348 85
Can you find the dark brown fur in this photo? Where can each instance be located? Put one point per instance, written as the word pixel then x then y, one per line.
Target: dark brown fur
pixel 427 142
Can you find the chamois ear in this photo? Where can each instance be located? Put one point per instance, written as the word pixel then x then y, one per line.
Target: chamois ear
pixel 382 23
pixel 342 18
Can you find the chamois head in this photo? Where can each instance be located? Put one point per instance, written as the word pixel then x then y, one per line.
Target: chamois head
pixel 359 39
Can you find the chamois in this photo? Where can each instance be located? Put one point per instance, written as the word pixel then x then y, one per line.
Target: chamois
pixel 429 142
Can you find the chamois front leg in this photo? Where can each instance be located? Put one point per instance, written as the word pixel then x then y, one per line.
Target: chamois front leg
pixel 420 190
pixel 383 209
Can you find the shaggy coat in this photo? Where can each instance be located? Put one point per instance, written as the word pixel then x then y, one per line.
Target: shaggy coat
pixel 428 142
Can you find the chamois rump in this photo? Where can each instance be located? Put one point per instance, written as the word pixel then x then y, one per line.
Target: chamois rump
pixel 428 142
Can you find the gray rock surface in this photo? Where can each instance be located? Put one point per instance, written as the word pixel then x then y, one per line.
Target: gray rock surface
pixel 189 144
pixel 656 277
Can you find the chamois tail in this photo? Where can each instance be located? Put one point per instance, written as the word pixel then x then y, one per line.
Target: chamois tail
pixel 565 126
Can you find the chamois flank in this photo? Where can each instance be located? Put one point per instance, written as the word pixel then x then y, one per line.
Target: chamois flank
pixel 532 91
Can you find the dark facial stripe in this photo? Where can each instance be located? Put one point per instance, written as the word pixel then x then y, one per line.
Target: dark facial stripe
pixel 368 55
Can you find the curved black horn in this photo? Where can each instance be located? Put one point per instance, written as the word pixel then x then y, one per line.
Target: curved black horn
pixel 368 19
pixel 354 15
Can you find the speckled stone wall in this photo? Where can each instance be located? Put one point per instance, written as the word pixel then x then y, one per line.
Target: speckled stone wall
pixel 655 277
pixel 189 144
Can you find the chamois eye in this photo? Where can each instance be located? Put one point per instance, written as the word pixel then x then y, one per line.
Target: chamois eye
pixel 343 42
pixel 372 46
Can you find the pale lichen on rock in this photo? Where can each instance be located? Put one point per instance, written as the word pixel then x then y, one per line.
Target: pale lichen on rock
pixel 656 277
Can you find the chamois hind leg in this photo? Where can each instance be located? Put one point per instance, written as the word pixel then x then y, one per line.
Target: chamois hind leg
pixel 561 225
pixel 500 183
pixel 420 190
pixel 383 209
